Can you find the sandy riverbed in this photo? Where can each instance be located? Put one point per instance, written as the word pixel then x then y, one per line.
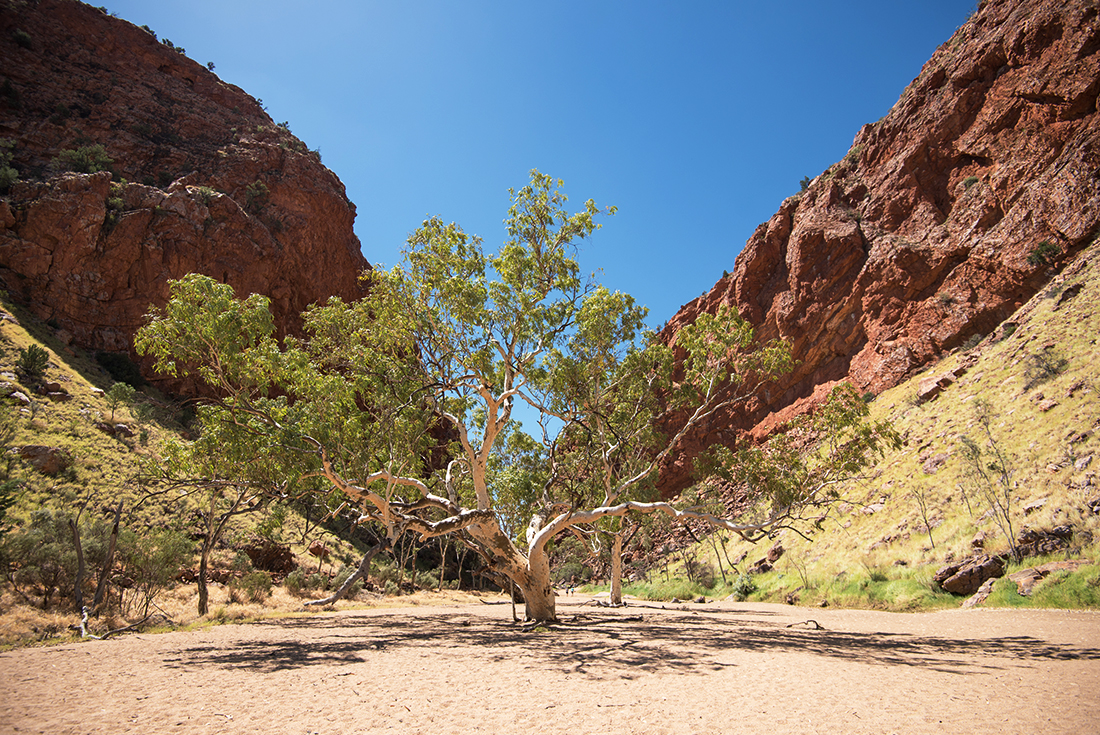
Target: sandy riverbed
pixel 693 668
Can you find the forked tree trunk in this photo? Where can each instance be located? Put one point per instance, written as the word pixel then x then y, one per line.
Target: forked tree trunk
pixel 538 593
pixel 530 573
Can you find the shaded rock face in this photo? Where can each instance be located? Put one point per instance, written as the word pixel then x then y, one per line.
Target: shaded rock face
pixel 204 181
pixel 920 238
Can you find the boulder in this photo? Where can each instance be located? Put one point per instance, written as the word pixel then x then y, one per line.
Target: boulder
pixel 982 594
pixel 775 552
pixel 965 577
pixel 47 460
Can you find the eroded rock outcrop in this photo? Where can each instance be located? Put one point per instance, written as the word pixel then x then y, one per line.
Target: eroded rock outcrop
pixel 927 232
pixel 200 180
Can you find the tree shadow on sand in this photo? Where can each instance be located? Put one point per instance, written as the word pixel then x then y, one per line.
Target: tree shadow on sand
pixel 611 645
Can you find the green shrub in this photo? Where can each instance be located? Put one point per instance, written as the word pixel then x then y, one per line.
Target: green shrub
pixel 969 181
pixel 1043 254
pixel 256 196
pixel 254 587
pixel 972 341
pixel 32 361
pixel 295 582
pixel 152 562
pixel 8 175
pixel 742 587
pixel 342 576
pixel 87 159
pixel 392 590
pixel 22 38
pixel 119 394
pixel 1042 366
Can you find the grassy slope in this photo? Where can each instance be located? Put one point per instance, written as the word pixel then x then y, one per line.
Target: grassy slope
pixel 105 468
pixel 876 551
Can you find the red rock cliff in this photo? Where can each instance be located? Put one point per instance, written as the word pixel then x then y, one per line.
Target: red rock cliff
pixel 920 238
pixel 204 181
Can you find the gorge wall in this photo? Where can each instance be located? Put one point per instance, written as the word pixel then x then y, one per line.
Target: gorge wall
pixel 200 179
pixel 929 231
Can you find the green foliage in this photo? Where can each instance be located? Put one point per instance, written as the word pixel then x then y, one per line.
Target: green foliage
pixel 969 181
pixel 119 394
pixel 804 183
pixel 742 587
pixel 989 470
pixel 151 561
pixel 801 468
pixel 1041 366
pixel 1070 590
pixel 87 159
pixel 253 587
pixel 296 582
pixel 440 350
pixel 8 175
pixel 177 49
pixel 256 196
pixel 39 557
pixel 1044 254
pixel 206 194
pixel 32 361
pixel 22 38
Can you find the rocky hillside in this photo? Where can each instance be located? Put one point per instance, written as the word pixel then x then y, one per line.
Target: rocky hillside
pixel 137 165
pixel 944 217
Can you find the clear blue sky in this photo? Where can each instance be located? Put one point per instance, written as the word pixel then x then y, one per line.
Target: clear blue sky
pixel 696 119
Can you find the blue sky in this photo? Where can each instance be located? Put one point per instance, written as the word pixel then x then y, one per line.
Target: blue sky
pixel 695 119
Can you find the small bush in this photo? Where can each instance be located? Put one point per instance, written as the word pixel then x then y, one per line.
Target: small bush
pixel 945 298
pixel 972 341
pixel 254 587
pixel 256 196
pixel 295 582
pixel 392 590
pixel 32 361
pixel 1042 366
pixel 120 394
pixel 742 587
pixel 804 184
pixel 22 38
pixel 87 159
pixel 8 175
pixel 969 181
pixel 1043 254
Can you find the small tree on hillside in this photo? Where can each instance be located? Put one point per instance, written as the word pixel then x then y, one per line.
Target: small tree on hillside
pixel 438 353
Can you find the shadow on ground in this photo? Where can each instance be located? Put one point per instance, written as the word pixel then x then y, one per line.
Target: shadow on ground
pixel 612 644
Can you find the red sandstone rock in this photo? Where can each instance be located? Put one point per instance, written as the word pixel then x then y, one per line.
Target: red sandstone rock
pixel 920 237
pixel 241 199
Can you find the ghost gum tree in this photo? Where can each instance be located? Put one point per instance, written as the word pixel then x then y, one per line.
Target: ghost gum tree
pixel 402 402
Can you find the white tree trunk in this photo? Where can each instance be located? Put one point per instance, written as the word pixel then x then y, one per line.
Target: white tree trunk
pixel 617 568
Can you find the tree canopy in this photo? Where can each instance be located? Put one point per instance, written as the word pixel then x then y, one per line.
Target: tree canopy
pixel 401 403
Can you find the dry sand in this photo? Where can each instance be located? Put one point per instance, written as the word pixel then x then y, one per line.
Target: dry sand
pixel 693 668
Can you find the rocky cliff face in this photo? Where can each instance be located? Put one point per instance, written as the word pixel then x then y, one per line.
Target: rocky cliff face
pixel 199 180
pixel 932 228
